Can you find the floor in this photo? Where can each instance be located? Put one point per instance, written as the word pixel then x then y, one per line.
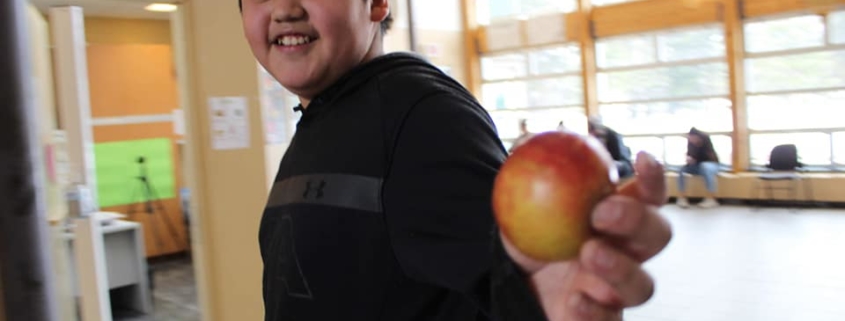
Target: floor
pixel 725 264
pixel 174 295
pixel 737 263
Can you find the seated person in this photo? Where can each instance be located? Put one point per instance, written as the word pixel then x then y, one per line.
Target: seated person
pixel 701 160
pixel 612 141
pixel 524 136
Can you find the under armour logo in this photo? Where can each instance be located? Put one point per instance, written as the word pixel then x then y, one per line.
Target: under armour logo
pixel 309 187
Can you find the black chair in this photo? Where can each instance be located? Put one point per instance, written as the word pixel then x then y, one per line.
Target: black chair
pixel 783 166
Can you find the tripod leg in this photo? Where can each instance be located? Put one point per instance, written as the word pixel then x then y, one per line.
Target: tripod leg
pixel 148 208
pixel 164 217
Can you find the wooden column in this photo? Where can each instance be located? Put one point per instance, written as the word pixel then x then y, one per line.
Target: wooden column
pixel 473 53
pixel 735 46
pixel 587 42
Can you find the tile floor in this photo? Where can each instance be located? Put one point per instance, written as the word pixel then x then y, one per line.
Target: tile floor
pixel 743 264
pixel 724 264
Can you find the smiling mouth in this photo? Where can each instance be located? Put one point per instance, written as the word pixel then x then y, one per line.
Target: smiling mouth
pixel 293 40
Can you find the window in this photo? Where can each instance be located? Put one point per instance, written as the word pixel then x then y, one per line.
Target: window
pixel 492 10
pixel 839 148
pixel 653 87
pixel 609 2
pixel 796 87
pixel 541 85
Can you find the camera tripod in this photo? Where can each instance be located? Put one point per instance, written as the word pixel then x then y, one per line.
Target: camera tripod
pixel 151 204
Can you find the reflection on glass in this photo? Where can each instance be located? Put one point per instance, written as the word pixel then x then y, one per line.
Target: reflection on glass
pixel 503 67
pixel 836 27
pixel 800 71
pixel 504 95
pixel 797 111
pixel 651 145
pixel 487 10
pixel 663 82
pixel 556 60
pixel 609 2
pixel 784 34
pixel 625 51
pixel 813 148
pixel 839 148
pixel 710 115
pixel 507 122
pixel 691 44
pixel 555 92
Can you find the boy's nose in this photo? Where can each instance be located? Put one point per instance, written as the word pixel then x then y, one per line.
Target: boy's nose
pixel 288 11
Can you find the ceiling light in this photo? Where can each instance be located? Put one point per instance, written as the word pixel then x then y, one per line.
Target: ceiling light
pixel 161 7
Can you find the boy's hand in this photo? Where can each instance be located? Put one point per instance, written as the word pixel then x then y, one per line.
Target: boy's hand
pixel 607 276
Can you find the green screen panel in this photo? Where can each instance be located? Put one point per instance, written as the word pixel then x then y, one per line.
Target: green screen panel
pixel 118 171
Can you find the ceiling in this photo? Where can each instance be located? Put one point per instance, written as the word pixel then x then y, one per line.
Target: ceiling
pixel 107 8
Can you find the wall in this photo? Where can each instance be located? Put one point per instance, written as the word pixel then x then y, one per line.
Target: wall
pixel 229 187
pixel 440 35
pixel 127 31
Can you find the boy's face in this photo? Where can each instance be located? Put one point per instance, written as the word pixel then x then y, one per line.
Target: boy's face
pixel 308 44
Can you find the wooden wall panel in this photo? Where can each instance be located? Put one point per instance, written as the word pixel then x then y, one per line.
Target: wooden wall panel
pixel 758 8
pixel 643 16
pixel 574 27
pixel 134 79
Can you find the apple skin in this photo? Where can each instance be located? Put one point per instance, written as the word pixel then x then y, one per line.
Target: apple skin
pixel 545 192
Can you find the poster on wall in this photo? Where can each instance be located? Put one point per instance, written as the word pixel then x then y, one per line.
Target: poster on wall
pixel 229 123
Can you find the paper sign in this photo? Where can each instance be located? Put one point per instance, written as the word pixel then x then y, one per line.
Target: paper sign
pixel 504 35
pixel 229 122
pixel 546 29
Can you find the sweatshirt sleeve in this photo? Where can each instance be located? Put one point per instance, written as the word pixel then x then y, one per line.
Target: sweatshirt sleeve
pixel 437 200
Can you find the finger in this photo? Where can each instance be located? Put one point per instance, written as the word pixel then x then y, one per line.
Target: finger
pixel 631 285
pixel 636 228
pixel 582 308
pixel 650 183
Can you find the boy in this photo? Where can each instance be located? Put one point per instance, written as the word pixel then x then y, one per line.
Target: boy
pixel 381 207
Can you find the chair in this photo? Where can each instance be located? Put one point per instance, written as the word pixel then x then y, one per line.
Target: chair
pixel 783 166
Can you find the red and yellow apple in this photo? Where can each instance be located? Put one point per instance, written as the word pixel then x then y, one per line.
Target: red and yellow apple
pixel 546 190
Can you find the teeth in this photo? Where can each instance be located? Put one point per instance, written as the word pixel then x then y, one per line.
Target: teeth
pixel 293 40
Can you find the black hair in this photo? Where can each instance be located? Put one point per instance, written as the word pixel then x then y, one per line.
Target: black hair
pixel 385 24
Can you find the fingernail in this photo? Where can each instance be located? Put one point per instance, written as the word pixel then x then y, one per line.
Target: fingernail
pixel 603 259
pixel 607 215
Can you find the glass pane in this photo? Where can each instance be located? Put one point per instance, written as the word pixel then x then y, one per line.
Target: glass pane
pixel 555 60
pixel 609 2
pixel 813 148
pixel 836 27
pixel 504 95
pixel 839 148
pixel 676 150
pixel 711 115
pixel 783 34
pixel 502 8
pixel 555 92
pixel 802 71
pixel 663 82
pixel 691 44
pixel 797 111
pixel 503 67
pixel 625 51
pixel 531 7
pixel 507 122
pixel 723 144
pixel 651 145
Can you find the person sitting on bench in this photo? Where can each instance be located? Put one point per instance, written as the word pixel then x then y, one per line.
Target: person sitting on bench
pixel 703 161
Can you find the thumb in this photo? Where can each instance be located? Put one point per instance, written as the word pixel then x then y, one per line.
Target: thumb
pixel 649 185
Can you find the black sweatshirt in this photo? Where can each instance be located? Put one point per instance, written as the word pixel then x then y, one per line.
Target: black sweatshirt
pixel 381 209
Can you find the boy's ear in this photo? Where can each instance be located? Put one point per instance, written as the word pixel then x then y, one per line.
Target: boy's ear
pixel 379 10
